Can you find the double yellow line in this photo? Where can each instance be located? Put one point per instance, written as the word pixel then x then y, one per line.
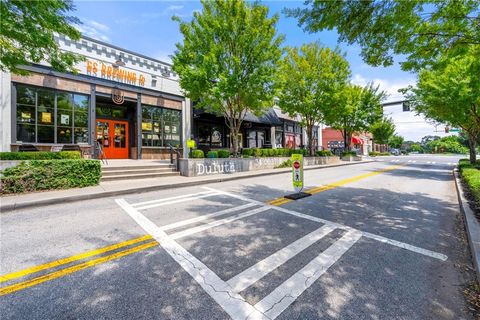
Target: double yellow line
pixel 63 272
pixel 131 246
pixel 280 201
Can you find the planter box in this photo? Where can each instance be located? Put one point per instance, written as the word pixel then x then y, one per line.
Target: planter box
pixel 206 166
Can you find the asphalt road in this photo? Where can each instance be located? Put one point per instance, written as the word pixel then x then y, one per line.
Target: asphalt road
pixel 382 240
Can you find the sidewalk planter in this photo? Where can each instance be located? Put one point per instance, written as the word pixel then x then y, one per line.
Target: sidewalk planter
pixel 208 167
pixel 351 158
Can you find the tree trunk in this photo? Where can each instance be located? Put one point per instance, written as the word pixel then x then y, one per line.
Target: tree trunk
pixel 311 150
pixel 234 139
pixel 472 146
pixel 346 145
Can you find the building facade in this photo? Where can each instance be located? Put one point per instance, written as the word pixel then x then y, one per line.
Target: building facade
pixel 128 105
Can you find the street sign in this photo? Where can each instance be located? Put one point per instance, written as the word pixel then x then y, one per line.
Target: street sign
pixel 190 143
pixel 297 172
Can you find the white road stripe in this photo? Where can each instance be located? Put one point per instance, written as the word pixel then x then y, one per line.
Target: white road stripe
pixel 205 217
pixel 414 161
pixel 285 294
pixel 216 223
pixel 191 195
pixel 248 277
pixel 409 161
pixel 234 304
pixel 428 162
pixel 433 162
pixel 164 203
pixel 403 245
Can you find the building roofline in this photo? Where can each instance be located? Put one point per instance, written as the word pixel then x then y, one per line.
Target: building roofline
pixel 125 50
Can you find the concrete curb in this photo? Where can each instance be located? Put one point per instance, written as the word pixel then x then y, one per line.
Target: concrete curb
pixel 97 195
pixel 471 224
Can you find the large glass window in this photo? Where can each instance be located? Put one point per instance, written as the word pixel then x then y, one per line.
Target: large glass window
pixel 209 135
pixel 48 116
pixel 160 126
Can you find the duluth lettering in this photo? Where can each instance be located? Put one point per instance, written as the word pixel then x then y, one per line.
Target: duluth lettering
pixel 111 73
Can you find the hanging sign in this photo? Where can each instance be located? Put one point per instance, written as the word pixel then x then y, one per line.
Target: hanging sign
pixel 297 172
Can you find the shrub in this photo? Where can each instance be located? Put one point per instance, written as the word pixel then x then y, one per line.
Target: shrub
pixel 40 155
pixel 197 154
pixel 471 175
pixel 223 153
pixel 348 153
pixel 212 154
pixel 324 153
pixel 278 152
pixel 247 152
pixel 271 152
pixel 37 175
pixel 257 152
pixel 284 164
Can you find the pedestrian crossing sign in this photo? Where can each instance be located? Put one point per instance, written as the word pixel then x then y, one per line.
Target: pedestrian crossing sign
pixel 297 172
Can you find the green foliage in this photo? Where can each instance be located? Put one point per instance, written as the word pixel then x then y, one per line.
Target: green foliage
pixel 324 153
pixel 223 153
pixel 196 154
pixel 247 152
pixel 28 29
pixel 349 153
pixel 357 109
pixel 35 175
pixel 415 147
pixel 284 164
pixel 382 130
pixel 450 94
pixel 228 60
pixel 420 30
pixel 471 175
pixel 396 141
pixel 257 152
pixel 449 144
pixel 40 155
pixel 212 154
pixel 310 78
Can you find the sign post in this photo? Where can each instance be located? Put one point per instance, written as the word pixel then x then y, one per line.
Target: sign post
pixel 297 172
pixel 190 145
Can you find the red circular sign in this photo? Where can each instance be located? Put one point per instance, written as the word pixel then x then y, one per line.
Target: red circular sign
pixel 296 164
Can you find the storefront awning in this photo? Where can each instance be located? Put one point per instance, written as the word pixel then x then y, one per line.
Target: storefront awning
pixel 356 140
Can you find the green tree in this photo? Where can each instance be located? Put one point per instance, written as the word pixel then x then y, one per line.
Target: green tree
pixel 310 79
pixel 355 111
pixel 228 60
pixel 382 130
pixel 451 94
pixel 396 141
pixel 415 147
pixel 27 34
pixel 421 30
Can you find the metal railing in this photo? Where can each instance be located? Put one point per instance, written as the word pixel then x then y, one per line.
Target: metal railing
pixel 174 150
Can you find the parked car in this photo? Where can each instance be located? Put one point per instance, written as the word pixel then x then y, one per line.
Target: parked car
pixel 395 152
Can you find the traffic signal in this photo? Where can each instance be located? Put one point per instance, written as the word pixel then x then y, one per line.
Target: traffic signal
pixel 447 129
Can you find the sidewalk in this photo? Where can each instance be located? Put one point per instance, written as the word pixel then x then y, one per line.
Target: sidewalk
pixel 115 188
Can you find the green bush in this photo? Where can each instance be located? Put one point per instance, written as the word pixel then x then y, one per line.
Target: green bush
pixel 376 154
pixel 212 154
pixel 257 152
pixel 450 144
pixel 35 175
pixel 247 152
pixel 40 155
pixel 196 154
pixel 278 151
pixel 471 175
pixel 271 152
pixel 348 153
pixel 223 153
pixel 285 164
pixel 324 153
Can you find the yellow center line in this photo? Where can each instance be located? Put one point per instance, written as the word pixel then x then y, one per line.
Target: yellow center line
pixel 72 269
pixel 282 200
pixel 60 262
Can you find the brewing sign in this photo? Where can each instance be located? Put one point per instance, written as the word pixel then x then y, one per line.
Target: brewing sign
pixel 297 172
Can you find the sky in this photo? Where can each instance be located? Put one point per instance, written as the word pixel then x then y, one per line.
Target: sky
pixel 146 27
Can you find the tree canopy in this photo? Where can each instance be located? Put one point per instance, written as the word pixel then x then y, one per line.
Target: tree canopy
pixel 357 109
pixel 421 30
pixel 228 59
pixel 451 93
pixel 310 79
pixel 396 141
pixel 27 34
pixel 382 130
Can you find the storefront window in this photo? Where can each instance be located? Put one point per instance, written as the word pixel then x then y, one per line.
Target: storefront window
pixel 48 116
pixel 160 127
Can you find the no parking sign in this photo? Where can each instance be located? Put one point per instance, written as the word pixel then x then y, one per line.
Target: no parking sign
pixel 297 172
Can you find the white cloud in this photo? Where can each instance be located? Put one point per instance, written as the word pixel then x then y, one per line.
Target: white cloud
pixel 391 87
pixel 94 29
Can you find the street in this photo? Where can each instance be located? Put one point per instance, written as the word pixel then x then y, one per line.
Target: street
pixel 379 240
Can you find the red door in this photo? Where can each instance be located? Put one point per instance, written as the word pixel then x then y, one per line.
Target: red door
pixel 113 137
